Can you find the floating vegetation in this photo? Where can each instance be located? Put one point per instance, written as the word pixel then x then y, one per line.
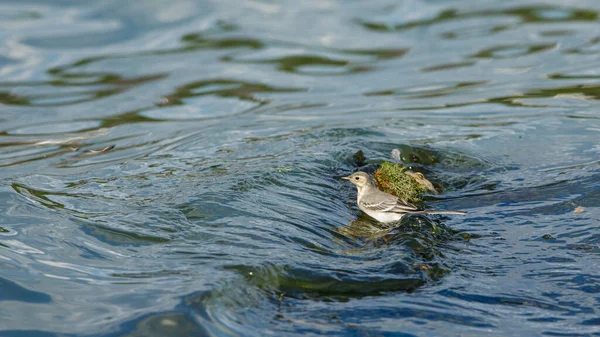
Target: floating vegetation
pixel 397 179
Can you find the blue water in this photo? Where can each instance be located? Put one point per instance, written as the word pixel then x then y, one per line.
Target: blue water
pixel 171 168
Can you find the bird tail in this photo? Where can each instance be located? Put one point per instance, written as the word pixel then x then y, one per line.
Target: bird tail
pixel 440 212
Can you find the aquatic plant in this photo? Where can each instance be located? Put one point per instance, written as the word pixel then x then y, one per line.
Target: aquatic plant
pixel 397 179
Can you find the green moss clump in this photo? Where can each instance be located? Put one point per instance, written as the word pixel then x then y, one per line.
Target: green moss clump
pixel 393 178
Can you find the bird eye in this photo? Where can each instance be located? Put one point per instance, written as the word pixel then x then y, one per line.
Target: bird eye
pixel 356 178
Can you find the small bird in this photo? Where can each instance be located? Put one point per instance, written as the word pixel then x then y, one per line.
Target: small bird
pixel 382 206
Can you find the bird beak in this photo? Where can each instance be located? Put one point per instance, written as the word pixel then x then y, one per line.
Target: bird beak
pixel 346 178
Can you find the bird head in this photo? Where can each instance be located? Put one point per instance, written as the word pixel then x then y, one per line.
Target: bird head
pixel 360 179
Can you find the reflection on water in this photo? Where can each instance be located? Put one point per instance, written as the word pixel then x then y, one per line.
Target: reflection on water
pixel 172 168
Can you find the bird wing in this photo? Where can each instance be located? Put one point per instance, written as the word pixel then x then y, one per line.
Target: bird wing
pixel 388 204
pixel 404 207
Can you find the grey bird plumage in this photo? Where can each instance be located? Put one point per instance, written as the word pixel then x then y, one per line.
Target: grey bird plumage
pixel 382 206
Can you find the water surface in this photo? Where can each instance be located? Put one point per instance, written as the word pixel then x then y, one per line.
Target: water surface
pixel 172 167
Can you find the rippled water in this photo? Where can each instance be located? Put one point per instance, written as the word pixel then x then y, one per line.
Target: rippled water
pixel 172 167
